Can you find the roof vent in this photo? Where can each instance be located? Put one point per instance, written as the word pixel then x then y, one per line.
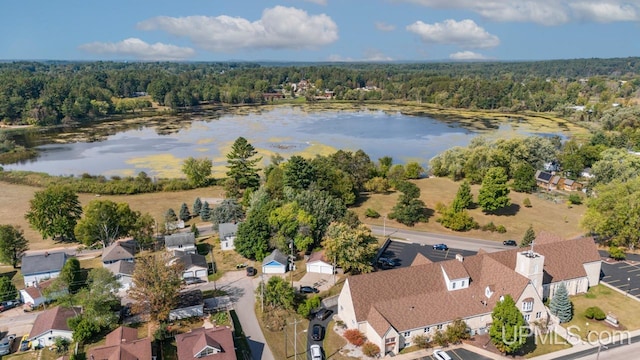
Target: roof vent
pixel 459 257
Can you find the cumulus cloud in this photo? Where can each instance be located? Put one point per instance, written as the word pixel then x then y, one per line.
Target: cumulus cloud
pixel 466 55
pixel 545 12
pixel 139 49
pixel 376 55
pixel 382 26
pixel 278 28
pixel 464 33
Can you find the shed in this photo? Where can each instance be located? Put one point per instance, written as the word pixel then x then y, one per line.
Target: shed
pixel 190 304
pixel 227 233
pixel 317 263
pixel 275 263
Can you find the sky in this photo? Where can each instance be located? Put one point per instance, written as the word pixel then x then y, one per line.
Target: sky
pixel 318 30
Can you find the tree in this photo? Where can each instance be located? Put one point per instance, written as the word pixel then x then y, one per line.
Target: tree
pixel 170 216
pixel 290 223
pixel 205 212
pixel 413 170
pixel 524 179
pixel 409 210
pixel 155 286
pixel 105 221
pixel 54 212
pixel 507 328
pixel 457 331
pixel 144 229
pixel 228 211
pixel 560 304
pixel 252 238
pixel 12 244
pixel 197 171
pixel 279 294
pixel 100 297
pixel 184 212
pixel 243 171
pixel 8 291
pixel 70 277
pixel 298 173
pixel 494 193
pixel 529 237
pixel 384 165
pixel 463 199
pixel 322 206
pixel 352 249
pixel 197 206
pixel 378 185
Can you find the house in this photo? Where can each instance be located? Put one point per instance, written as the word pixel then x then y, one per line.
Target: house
pixel 317 263
pixel 184 241
pixel 123 271
pixel 39 267
pixel 543 179
pixel 275 263
pixel 391 307
pixel 190 304
pixel 51 324
pixel 34 296
pixel 118 251
pixel 122 344
pixel 227 233
pixel 214 343
pixel 556 182
pixel 572 185
pixel 587 173
pixel 194 265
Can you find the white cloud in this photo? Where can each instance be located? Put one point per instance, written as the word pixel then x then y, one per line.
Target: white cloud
pixel 382 26
pixel 605 12
pixel 339 58
pixel 545 12
pixel 139 49
pixel 465 33
pixel 466 55
pixel 376 55
pixel 319 2
pixel 279 28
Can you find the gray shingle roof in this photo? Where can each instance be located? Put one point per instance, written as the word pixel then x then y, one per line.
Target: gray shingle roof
pixel 227 229
pixel 277 256
pixel 189 260
pixel 184 238
pixel 117 251
pixel 121 267
pixel 43 263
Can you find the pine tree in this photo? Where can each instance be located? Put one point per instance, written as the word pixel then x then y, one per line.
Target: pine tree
pixel 170 216
pixel 184 212
pixel 528 238
pixel 506 328
pixel 560 305
pixel 494 193
pixel 242 165
pixel 197 206
pixel 205 212
pixel 463 199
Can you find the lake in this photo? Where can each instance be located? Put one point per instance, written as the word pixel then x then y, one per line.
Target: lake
pixel 159 148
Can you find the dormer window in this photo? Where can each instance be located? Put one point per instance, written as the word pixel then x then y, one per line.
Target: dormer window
pixel 488 292
pixel 527 304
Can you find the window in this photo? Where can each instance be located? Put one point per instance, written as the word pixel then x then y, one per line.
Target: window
pixel 406 334
pixel 538 314
pixel 390 340
pixel 439 327
pixel 453 285
pixel 527 305
pixel 427 329
pixel 462 284
pixel 527 317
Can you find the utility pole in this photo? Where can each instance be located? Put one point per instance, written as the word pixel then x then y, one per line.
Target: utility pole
pixel 384 227
pixel 262 292
pixel 295 339
pixel 292 263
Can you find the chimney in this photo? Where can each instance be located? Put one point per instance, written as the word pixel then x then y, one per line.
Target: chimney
pixel 459 257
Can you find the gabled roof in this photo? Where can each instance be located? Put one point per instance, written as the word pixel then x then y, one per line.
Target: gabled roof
pixel 317 256
pixel 543 176
pixel 189 260
pixel 555 179
pixel 122 344
pixel 52 319
pixel 177 239
pixel 227 229
pixel 117 251
pixel 43 263
pixel 276 256
pixel 36 291
pixel 192 343
pixel 454 270
pixel 189 298
pixel 420 260
pixel 121 267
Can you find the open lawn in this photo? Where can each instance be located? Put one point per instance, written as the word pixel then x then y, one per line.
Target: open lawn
pixel 545 344
pixel 543 214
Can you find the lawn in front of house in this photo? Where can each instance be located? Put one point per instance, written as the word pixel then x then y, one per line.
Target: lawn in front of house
pixel 625 308
pixel 544 344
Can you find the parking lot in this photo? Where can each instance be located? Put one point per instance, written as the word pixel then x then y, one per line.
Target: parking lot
pixel 404 253
pixel 623 275
pixel 460 354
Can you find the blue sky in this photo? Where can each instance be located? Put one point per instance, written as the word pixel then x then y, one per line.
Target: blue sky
pixel 318 30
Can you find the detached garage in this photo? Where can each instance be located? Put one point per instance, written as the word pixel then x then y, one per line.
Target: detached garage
pixel 275 263
pixel 318 264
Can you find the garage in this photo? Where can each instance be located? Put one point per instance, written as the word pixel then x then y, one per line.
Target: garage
pixel 275 263
pixel 316 263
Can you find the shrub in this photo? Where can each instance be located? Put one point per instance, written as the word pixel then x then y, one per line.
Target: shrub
pixel 457 221
pixel 440 339
pixel 441 208
pixel 526 202
pixel 354 337
pixel 370 349
pixel 595 312
pixel 370 213
pixel 421 341
pixel 489 227
pixel 501 229
pixel 575 199
pixel 617 253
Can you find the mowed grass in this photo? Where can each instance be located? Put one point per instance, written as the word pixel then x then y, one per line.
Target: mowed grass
pixel 542 215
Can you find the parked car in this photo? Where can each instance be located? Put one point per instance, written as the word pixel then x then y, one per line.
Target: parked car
pixel 510 243
pixel 308 290
pixel 317 332
pixel 387 261
pixel 24 343
pixel 192 280
pixel 251 271
pixel 441 355
pixel 6 305
pixel 5 344
pixel 316 352
pixel 323 314
pixel 440 247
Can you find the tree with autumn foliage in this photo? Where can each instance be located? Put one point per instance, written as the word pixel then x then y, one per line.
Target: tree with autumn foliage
pixel 353 249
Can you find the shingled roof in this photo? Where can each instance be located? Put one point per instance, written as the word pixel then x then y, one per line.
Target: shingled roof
pixel 118 251
pixel 191 344
pixel 122 344
pixel 43 263
pixel 52 319
pixel 177 239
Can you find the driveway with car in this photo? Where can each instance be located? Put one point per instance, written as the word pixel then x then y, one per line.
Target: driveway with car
pixel 315 321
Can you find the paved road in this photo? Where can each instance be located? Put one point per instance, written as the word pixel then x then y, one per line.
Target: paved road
pixel 17 322
pixel 453 241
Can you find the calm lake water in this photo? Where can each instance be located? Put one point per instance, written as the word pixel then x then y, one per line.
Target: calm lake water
pixel 283 130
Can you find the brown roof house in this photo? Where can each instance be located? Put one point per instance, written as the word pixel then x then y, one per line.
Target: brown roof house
pixel 118 251
pixel 51 324
pixel 122 344
pixel 214 343
pixel 391 307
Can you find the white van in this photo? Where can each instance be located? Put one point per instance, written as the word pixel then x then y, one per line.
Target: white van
pixel 441 355
pixel 316 352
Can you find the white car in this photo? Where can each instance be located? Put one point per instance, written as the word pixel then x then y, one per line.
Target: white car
pixel 441 355
pixel 316 352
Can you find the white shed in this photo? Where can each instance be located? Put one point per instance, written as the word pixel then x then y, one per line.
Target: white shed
pixel 275 263
pixel 227 233
pixel 318 264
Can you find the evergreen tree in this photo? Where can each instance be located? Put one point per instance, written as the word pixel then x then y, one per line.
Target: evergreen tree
pixel 170 216
pixel 184 212
pixel 494 193
pixel 560 305
pixel 243 171
pixel 463 199
pixel 409 209
pixel 197 206
pixel 298 173
pixel 528 238
pixel 505 331
pixel 7 289
pixel 205 212
pixel 228 211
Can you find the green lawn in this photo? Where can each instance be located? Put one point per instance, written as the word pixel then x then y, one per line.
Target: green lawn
pixel 544 344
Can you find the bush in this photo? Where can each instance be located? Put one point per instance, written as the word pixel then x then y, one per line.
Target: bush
pixel 441 208
pixel 595 312
pixel 370 213
pixel 370 349
pixel 457 221
pixel 489 227
pixel 617 253
pixel 526 202
pixel 354 337
pixel 501 229
pixel 440 339
pixel 575 199
pixel 421 341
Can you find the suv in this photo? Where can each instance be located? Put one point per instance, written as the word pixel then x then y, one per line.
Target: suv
pixel 308 290
pixel 440 247
pixel 323 314
pixel 251 271
pixel 192 280
pixel 510 243
pixel 6 305
pixel 316 352
pixel 317 332
pixel 386 261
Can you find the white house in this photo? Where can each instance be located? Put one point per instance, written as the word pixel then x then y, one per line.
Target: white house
pixel 183 241
pixel 317 263
pixel 194 265
pixel 227 233
pixel 275 263
pixel 118 251
pixel 33 296
pixel 123 271
pixel 190 304
pixel 39 267
pixel 51 324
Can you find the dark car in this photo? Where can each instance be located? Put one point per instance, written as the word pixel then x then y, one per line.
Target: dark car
pixel 440 247
pixel 251 271
pixel 6 305
pixel 192 280
pixel 317 332
pixel 387 261
pixel 308 290
pixel 510 243
pixel 323 314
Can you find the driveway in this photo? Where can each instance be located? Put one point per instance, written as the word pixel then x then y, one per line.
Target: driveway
pixel 324 324
pixel 459 354
pixel 17 321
